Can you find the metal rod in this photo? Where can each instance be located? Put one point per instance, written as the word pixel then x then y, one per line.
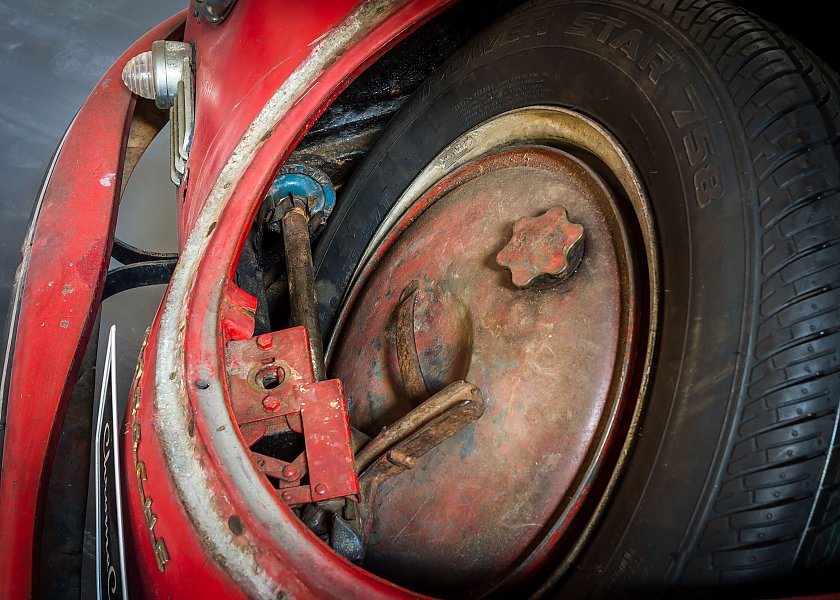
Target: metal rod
pixel 302 296
pixel 453 395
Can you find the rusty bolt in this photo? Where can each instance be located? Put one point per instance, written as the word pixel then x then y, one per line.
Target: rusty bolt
pixel 289 472
pixel 287 496
pixel 543 250
pixel 271 403
pixel 264 341
pixel 320 489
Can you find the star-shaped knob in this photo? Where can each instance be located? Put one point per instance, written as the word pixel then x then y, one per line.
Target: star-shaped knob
pixel 543 250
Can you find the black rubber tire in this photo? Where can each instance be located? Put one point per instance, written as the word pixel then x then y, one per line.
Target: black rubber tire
pixel 734 477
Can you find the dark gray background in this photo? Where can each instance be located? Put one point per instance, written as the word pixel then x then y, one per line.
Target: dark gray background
pixel 52 53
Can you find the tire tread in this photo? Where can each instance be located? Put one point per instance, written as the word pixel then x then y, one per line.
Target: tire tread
pixel 776 501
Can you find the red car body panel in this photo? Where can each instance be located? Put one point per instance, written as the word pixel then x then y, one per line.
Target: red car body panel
pixel 261 52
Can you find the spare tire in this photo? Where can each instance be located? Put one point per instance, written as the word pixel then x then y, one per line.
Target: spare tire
pixel 732 474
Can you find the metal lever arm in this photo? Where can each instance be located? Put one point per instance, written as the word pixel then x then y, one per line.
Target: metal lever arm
pixel 435 420
pixel 302 282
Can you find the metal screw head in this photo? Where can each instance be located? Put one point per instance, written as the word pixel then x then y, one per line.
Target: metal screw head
pixel 287 496
pixel 264 341
pixel 543 250
pixel 289 472
pixel 271 403
pixel 320 489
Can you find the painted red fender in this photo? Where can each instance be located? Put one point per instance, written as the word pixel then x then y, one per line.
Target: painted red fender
pixel 64 265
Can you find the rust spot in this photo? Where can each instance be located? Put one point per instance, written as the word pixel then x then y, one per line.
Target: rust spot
pixel 235 525
pixel 266 135
pixel 92 264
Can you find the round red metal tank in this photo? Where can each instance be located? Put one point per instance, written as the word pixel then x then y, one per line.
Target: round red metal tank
pixel 546 360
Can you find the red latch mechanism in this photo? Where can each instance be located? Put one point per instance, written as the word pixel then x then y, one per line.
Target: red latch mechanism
pixel 273 390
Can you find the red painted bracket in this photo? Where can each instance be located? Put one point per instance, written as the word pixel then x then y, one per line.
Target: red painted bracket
pixel 272 390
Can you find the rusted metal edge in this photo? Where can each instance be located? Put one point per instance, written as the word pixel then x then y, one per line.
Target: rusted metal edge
pixel 404 454
pixel 172 409
pixel 407 357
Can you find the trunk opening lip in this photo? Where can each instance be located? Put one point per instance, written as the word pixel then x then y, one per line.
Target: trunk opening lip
pixel 189 348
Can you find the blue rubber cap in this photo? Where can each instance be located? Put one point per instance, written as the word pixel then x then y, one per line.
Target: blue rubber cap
pixel 308 184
